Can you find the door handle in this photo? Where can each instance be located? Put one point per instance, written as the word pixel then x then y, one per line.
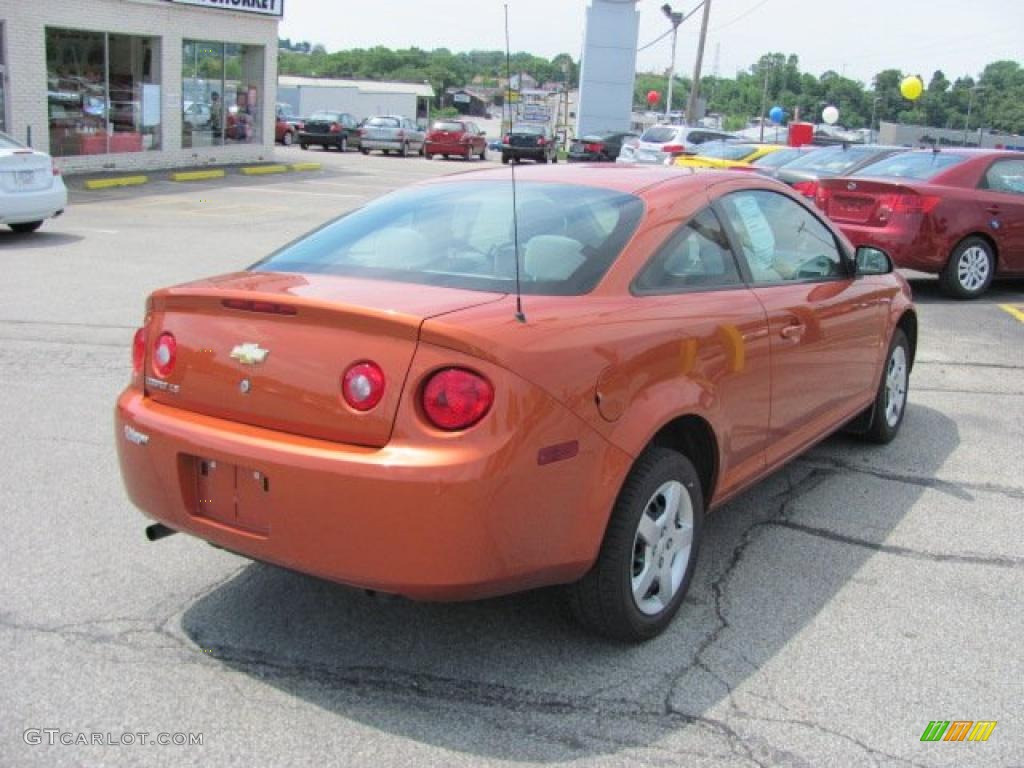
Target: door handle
pixel 993 209
pixel 793 331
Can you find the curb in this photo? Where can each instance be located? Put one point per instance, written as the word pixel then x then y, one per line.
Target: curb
pixel 307 166
pixel 197 175
pixel 262 170
pixel 120 181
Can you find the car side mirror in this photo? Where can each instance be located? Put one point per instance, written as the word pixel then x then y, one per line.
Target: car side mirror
pixel 872 261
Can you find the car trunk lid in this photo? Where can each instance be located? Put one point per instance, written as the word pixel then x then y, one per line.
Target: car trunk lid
pixel 24 170
pixel 269 349
pixel 870 202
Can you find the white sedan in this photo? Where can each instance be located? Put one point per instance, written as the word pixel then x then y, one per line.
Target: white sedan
pixel 31 188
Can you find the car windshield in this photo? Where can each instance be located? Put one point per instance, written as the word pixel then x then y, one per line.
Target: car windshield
pixel 460 235
pixel 385 122
pixel 6 142
pixel 536 130
pixel 779 157
pixel 442 125
pixel 330 116
pixel 832 159
pixel 285 110
pixel 659 134
pixel 724 151
pixel 912 165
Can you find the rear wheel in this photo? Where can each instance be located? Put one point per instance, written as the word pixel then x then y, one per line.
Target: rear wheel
pixel 404 151
pixel 970 269
pixel 483 152
pixel 303 145
pixel 469 152
pixel 287 139
pixel 554 156
pixel 327 147
pixel 26 226
pixel 891 399
pixel 649 551
pixel 343 144
pixel 365 151
pixel 428 155
pixel 504 158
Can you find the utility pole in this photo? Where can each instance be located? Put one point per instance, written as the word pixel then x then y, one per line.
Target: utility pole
pixel 691 107
pixel 675 18
pixel 764 101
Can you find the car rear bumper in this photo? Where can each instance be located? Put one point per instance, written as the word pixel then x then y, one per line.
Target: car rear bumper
pixel 386 143
pixel 451 520
pixel 528 152
pixel 319 138
pixel 446 148
pixel 24 207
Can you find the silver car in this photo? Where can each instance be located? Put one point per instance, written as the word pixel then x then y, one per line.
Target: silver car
pixel 660 142
pixel 391 133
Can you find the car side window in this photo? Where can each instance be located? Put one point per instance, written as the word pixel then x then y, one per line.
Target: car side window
pixel 1006 176
pixel 781 240
pixel 697 256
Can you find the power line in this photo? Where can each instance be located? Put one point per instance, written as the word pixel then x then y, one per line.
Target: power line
pixel 662 37
pixel 740 16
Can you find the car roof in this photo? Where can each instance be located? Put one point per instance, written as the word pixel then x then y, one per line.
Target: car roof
pixel 621 177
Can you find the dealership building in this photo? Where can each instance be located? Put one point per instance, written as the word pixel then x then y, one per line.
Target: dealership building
pixel 140 84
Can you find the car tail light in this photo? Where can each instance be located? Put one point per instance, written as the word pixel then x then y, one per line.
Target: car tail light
pixel 821 197
pixel 806 188
pixel 907 204
pixel 361 131
pixel 55 170
pixel 362 386
pixel 674 149
pixel 138 350
pixel 595 147
pixel 541 141
pixel 454 398
pixel 165 354
pixel 335 128
pixel 506 139
pixel 401 134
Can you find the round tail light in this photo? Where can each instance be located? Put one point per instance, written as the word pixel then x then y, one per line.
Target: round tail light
pixel 454 398
pixel 165 354
pixel 138 350
pixel 362 386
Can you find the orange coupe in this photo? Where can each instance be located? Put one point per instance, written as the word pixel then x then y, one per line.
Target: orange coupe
pixel 369 405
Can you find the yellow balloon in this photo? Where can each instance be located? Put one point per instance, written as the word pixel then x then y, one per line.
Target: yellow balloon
pixel 911 87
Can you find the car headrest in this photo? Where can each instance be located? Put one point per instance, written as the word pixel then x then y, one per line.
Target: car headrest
pixel 552 257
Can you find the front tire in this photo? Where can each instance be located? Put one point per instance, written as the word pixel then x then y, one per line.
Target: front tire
pixel 649 552
pixel 343 144
pixel 970 269
pixel 365 151
pixel 287 139
pixel 891 399
pixel 24 227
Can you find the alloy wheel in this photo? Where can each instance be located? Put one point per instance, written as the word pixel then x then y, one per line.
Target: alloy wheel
pixel 661 548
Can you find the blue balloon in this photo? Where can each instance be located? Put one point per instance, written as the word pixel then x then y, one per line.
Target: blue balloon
pixel 776 114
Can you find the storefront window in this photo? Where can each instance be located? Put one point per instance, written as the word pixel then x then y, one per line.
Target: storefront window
pixel 221 100
pixel 103 92
pixel 3 83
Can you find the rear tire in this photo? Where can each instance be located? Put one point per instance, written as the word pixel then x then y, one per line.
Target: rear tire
pixel 504 158
pixel 25 227
pixel 404 151
pixel 428 155
pixel 554 158
pixel 365 151
pixel 891 400
pixel 343 144
pixel 303 145
pixel 970 269
pixel 483 152
pixel 287 139
pixel 649 551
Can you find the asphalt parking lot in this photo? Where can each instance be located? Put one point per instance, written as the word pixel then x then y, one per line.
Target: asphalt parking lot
pixel 838 607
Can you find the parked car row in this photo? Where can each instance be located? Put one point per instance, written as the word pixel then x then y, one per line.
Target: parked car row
pixel 957 213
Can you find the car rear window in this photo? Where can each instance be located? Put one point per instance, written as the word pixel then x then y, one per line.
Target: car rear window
pixel 537 130
pixel 442 125
pixel 332 116
pixel 778 158
pixel 912 165
pixel 6 142
pixel 724 151
pixel 385 122
pixel 659 134
pixel 832 159
pixel 460 235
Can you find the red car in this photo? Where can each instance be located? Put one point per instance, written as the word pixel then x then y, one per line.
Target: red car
pixel 455 137
pixel 372 404
pixel 958 213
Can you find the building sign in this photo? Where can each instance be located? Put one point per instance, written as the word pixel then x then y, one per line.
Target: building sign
pixel 461 98
pixel 262 7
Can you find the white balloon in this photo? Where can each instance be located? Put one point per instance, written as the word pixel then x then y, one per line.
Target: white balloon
pixel 830 114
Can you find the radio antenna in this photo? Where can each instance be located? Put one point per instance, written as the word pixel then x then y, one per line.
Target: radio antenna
pixel 512 167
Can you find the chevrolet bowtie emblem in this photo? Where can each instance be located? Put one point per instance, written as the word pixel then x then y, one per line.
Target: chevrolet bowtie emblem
pixel 249 354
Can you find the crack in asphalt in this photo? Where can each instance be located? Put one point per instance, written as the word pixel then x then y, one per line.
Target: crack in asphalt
pixel 954 364
pixel 956 489
pixel 894 549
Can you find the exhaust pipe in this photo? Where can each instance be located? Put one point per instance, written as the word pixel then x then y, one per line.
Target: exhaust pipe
pixel 158 531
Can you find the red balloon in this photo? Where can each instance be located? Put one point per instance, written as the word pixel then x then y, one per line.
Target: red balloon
pixel 653 97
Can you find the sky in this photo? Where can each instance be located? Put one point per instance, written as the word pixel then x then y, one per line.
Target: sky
pixel 853 37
